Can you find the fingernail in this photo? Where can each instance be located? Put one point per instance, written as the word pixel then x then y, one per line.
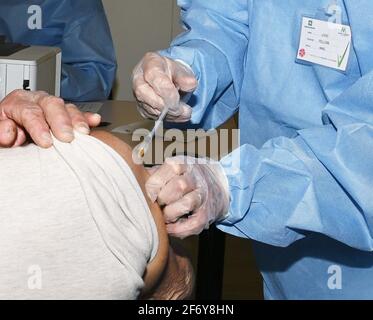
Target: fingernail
pixel 68 133
pixel 10 131
pixel 96 117
pixel 46 137
pixel 82 128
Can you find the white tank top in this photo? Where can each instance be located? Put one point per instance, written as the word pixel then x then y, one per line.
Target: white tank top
pixel 74 223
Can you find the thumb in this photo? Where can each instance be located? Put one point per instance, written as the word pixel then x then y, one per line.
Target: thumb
pixel 8 133
pixel 184 78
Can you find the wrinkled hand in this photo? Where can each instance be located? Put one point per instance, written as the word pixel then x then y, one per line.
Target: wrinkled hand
pixel 37 114
pixel 193 195
pixel 158 81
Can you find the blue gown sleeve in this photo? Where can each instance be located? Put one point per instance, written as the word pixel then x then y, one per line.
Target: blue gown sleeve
pixel 88 60
pixel 214 45
pixel 321 181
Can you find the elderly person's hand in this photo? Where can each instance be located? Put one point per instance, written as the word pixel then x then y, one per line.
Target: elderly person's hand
pixel 37 114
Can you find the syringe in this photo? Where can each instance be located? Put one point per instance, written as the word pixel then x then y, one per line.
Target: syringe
pixel 143 148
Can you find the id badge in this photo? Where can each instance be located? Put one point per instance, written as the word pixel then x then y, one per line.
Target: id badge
pixel 325 43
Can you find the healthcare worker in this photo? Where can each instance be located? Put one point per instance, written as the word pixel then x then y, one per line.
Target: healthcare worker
pixel 82 32
pixel 301 184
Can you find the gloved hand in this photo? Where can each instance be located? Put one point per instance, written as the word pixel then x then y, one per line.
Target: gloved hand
pixel 37 114
pixel 157 81
pixel 194 195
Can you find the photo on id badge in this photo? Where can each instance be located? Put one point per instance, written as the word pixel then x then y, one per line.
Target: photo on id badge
pixel 325 42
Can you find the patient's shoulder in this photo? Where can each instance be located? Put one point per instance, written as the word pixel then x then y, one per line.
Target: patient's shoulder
pixel 158 264
pixel 117 144
pixel 122 149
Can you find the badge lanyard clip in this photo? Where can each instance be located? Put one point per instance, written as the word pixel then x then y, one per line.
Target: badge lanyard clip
pixel 333 13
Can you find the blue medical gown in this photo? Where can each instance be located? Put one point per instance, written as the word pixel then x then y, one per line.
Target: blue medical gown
pixel 301 184
pixel 82 32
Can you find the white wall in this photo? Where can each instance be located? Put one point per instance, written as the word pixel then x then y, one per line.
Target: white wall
pixel 139 26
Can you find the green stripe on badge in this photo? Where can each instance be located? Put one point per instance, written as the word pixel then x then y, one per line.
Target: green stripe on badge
pixel 340 59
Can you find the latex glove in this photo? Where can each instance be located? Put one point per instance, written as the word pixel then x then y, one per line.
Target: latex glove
pixel 37 114
pixel 158 81
pixel 193 195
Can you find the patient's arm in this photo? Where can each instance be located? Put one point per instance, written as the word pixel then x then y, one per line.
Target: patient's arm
pixel 169 275
pixel 177 280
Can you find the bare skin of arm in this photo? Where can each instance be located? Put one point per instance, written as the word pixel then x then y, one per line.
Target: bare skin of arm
pixel 169 275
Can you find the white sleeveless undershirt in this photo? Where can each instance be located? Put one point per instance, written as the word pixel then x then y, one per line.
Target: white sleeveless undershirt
pixel 74 223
